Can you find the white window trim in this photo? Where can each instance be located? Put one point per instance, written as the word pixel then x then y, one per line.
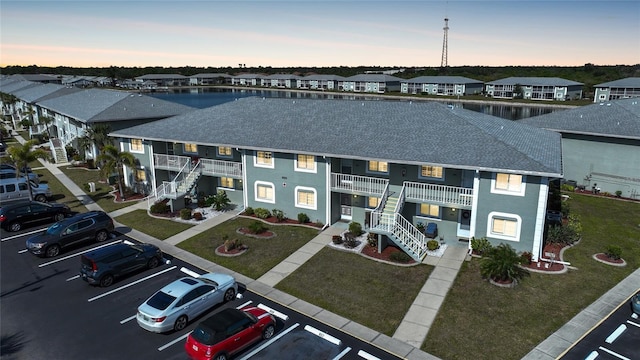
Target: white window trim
pixel 264 183
pixel 421 177
pixel 506 192
pixel 369 171
pixel 136 151
pixel 296 168
pixel 267 166
pixel 515 217
pixel 305 206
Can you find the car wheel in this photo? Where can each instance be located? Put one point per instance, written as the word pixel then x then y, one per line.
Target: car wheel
pixel 41 198
pixel 102 235
pixel 58 217
pixel 106 281
pixel 220 357
pixel 268 332
pixel 52 251
pixel 229 295
pixel 153 262
pixel 15 226
pixel 181 323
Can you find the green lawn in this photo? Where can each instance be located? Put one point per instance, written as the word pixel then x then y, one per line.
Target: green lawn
pixel 373 294
pixel 494 323
pixel 60 193
pixel 263 254
pixel 158 228
pixel 82 176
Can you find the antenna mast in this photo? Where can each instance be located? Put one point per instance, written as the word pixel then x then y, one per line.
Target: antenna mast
pixel 445 43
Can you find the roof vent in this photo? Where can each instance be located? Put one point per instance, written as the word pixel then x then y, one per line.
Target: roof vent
pixel 580 116
pixel 152 105
pixel 363 104
pixel 608 104
pixel 294 101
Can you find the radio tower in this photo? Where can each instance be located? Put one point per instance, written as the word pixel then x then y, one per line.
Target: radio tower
pixel 445 45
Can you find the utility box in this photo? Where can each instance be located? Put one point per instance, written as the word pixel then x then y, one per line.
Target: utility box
pixel 92 187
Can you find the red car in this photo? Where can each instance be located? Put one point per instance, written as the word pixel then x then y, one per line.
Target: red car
pixel 229 332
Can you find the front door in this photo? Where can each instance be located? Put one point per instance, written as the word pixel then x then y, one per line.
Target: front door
pixel 345 207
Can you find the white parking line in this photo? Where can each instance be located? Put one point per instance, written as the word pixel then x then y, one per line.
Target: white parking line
pixel 273 312
pixel 613 353
pixel 189 272
pixel 131 284
pixel 21 235
pixel 594 354
pixel 243 305
pixel 366 355
pixel 76 254
pixel 174 341
pixel 614 335
pixel 271 341
pixel 633 323
pixel 323 335
pixel 127 319
pixel 73 278
pixel 343 353
pixel 22 251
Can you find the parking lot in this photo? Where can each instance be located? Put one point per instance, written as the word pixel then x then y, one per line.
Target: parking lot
pixel 48 311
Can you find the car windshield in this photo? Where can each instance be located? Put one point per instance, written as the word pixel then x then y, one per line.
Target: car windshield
pixel 206 336
pixel 160 300
pixel 55 229
pixel 209 281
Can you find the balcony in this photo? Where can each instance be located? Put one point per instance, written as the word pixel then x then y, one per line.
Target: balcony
pixel 221 168
pixel 454 196
pixel 356 184
pixel 170 162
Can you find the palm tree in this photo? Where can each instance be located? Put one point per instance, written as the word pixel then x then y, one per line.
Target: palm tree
pixel 47 121
pixel 112 161
pixel 22 155
pixel 98 134
pixel 501 263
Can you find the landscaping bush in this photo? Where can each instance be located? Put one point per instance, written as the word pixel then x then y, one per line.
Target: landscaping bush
pixel 567 187
pixel 230 244
pixel 355 228
pixel 257 227
pixel 220 201
pixel 318 224
pixel 400 256
pixel 303 218
pixel 372 239
pixel 350 240
pixel 480 246
pixel 279 214
pixel 433 245
pixel 262 213
pixel 185 214
pixel 525 258
pixel 420 226
pixel 248 211
pixel 337 239
pixel 565 235
pixel 159 208
pixel 618 193
pixel 501 264
pixel 613 252
pixel 197 216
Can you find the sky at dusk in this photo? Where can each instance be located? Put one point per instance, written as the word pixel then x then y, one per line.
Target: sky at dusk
pixel 318 33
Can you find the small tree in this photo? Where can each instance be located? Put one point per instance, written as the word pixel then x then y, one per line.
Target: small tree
pixel 501 263
pixel 219 201
pixel 113 160
pixel 22 155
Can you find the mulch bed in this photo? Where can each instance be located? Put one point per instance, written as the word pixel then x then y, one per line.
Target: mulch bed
pixel 553 267
pixel 274 220
pixel 603 257
pixel 372 251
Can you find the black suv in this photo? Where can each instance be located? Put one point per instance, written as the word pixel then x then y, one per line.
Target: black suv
pixel 102 266
pixel 14 216
pixel 92 225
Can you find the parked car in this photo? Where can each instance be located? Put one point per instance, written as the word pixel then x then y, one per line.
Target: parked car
pixel 14 190
pixel 635 303
pixel 11 174
pixel 102 266
pixel 25 169
pixel 173 306
pixel 228 332
pixel 15 216
pixel 92 225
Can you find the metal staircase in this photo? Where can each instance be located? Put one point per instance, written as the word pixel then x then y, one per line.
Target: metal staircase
pixel 58 150
pixel 180 186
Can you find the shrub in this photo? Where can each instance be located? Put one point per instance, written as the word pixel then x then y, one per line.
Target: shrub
pixel 279 214
pixel 248 211
pixel 220 201
pixel 159 207
pixel 525 258
pixel 567 187
pixel 257 227
pixel 197 216
pixel 565 235
pixel 337 239
pixel 480 246
pixel 230 244
pixel 262 213
pixel 433 245
pixel 318 224
pixel 185 214
pixel 350 240
pixel 618 193
pixel 420 226
pixel 303 218
pixel 613 252
pixel 400 256
pixel 565 209
pixel 501 264
pixel 372 239
pixel 355 228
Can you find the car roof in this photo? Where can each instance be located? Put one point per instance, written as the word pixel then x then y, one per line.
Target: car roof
pixel 221 320
pixel 107 250
pixel 23 203
pixel 181 286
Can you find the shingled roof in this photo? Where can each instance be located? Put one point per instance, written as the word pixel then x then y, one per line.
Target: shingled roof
pixel 393 131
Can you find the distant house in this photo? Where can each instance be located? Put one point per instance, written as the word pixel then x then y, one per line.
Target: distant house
pixel 321 82
pixel 165 79
pixel 372 83
pixel 210 79
pixel 617 89
pixel 247 79
pixel 442 85
pixel 600 144
pixel 283 81
pixel 534 88
pixel 40 78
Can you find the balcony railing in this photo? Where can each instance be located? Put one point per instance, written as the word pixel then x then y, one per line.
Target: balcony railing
pixel 358 184
pixel 221 168
pixel 442 194
pixel 170 162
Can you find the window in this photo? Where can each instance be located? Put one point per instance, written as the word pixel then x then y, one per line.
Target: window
pixel 265 192
pixel 226 182
pixel 431 171
pixel 373 202
pixel 141 175
pixel 504 226
pixel 378 166
pixel 263 159
pixel 511 184
pixel 136 146
pixel 306 198
pixel 430 210
pixel 305 163
pixel 224 151
pixel 191 148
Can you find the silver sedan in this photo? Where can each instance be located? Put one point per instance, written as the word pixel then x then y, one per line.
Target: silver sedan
pixel 173 306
